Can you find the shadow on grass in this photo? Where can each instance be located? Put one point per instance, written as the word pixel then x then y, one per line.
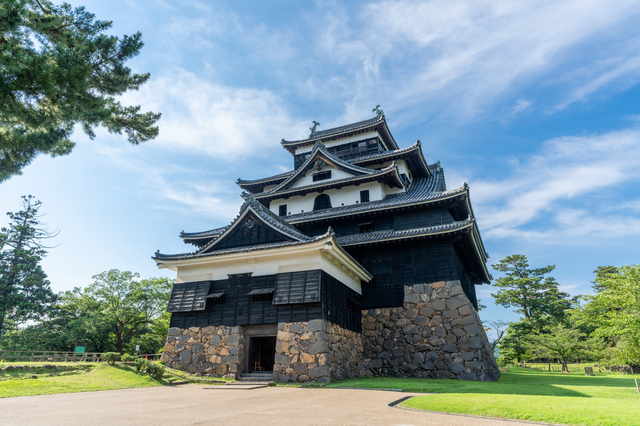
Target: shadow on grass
pixel 518 382
pixel 18 370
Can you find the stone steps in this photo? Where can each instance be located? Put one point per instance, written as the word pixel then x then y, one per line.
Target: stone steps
pixel 256 376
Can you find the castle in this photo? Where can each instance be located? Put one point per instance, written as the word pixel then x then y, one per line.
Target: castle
pixel 358 262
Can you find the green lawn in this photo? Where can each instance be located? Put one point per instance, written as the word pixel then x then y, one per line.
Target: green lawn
pixel 524 394
pixel 69 377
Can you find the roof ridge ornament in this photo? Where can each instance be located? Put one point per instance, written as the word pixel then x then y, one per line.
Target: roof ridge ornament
pixel 314 124
pixel 379 112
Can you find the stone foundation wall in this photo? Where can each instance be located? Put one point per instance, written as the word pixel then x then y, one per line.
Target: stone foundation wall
pixel 316 351
pixel 436 334
pixel 205 351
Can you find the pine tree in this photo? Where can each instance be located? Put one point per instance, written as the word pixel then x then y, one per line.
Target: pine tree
pixel 528 290
pixel 24 287
pixel 58 69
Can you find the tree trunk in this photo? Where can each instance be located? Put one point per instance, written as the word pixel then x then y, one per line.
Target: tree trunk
pixel 565 369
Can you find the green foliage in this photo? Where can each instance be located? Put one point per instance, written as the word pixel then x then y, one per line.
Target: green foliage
pixel 155 369
pixel 24 289
pixel 529 291
pixel 564 343
pixel 128 305
pixel 111 357
pixel 141 364
pixel 128 358
pixel 61 68
pixel 614 311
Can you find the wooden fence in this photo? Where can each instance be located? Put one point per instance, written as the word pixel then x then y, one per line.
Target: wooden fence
pixel 49 356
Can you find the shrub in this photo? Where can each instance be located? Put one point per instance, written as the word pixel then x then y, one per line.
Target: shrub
pixel 111 357
pixel 155 370
pixel 126 358
pixel 141 364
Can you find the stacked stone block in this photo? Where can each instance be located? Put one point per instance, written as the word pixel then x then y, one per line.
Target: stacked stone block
pixel 316 351
pixel 437 334
pixel 205 351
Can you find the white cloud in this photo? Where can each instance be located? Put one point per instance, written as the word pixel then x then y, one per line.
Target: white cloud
pixel 222 122
pixel 460 57
pixel 581 169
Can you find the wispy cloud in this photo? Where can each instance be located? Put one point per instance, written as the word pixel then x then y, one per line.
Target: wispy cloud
pixel 461 57
pixel 579 168
pixel 220 121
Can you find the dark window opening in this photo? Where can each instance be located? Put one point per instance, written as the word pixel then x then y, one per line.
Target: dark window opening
pixel 405 179
pixel 366 227
pixel 352 305
pixel 322 202
pixel 217 298
pixel 283 210
pixel 364 196
pixel 262 297
pixel 322 176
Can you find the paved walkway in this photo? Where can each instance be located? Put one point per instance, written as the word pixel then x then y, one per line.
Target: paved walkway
pixel 195 405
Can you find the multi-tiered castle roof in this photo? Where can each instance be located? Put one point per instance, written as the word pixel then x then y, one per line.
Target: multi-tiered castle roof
pixel 344 177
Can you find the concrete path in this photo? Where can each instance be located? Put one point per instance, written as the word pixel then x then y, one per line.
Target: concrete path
pixel 195 405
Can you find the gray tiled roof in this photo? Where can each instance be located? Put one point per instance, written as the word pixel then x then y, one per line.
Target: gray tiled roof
pixel 323 133
pixel 268 246
pixel 199 254
pixel 268 217
pixel 204 234
pixel 374 173
pixel 281 176
pixel 408 233
pixel 420 190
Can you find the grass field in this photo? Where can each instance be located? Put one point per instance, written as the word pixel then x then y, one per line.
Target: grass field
pixel 68 378
pixel 608 399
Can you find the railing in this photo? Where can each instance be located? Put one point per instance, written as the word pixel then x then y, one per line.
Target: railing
pixel 51 356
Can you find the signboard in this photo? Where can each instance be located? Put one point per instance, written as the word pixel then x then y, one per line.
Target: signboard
pixel 80 349
pixel 137 348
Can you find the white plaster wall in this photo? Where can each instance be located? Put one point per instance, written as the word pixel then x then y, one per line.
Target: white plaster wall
pixel 346 196
pixel 341 141
pixel 308 177
pixel 268 187
pixel 268 265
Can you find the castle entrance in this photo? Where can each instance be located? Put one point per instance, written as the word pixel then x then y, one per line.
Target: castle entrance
pixel 260 347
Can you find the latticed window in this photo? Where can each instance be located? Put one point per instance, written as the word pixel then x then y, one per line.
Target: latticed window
pixel 366 227
pixel 322 176
pixel 364 196
pixel 322 202
pixel 283 210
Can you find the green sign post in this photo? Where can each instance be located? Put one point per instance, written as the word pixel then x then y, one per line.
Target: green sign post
pixel 80 349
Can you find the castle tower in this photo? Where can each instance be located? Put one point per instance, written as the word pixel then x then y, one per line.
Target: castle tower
pixel 358 262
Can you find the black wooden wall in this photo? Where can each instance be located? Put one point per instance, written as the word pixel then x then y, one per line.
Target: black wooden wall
pixel 394 265
pixel 298 297
pixel 381 222
pixel 340 304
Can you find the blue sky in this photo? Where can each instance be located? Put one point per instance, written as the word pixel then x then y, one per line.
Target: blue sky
pixel 534 104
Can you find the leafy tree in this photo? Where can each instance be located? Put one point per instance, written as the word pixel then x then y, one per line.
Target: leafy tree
pixel 128 305
pixel 59 68
pixel 614 310
pixel 528 290
pixel 562 342
pixel 24 289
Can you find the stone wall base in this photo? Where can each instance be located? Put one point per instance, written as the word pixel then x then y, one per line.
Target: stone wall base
pixel 316 351
pixel 436 334
pixel 205 351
